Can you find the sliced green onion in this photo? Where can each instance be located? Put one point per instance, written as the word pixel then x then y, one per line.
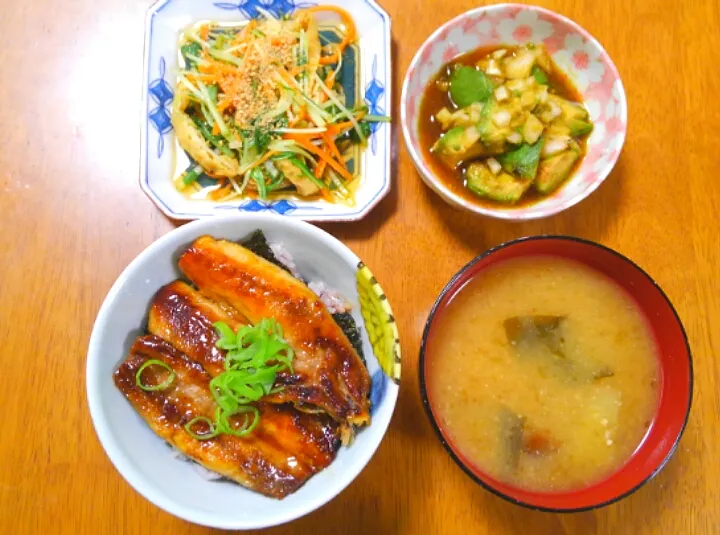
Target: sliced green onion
pixel 195 37
pixel 339 104
pixel 215 141
pixel 192 175
pixel 204 436
pixel 338 182
pixel 223 55
pixel 289 146
pixel 226 426
pixel 314 107
pixel 196 59
pixel 255 355
pixel 203 90
pixel 283 104
pixel 240 188
pixel 318 130
pixel 376 118
pixel 303 52
pixel 257 175
pixel 161 386
pixel 305 171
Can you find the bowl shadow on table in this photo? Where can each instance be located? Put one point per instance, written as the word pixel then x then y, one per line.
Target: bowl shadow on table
pixel 639 513
pixel 588 219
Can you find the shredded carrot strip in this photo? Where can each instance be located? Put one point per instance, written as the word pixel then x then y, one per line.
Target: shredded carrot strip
pixel 330 80
pixel 320 169
pixel 216 67
pixel 220 192
pixel 337 128
pixel 224 104
pixel 202 77
pixel 262 160
pixel 333 148
pixel 327 60
pixel 350 30
pixel 326 195
pixel 216 130
pixel 304 142
pixel 204 32
pixel 242 36
pixel 299 117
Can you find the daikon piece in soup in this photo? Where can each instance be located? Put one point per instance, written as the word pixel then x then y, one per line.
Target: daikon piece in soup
pixel 543 373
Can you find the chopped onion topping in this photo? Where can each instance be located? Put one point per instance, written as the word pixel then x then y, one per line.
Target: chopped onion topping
pixel 501 93
pixel 493 69
pixel 554 145
pixel 493 165
pixel 514 138
pixel 502 118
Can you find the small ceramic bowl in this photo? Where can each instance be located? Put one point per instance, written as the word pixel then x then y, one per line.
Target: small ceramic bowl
pixel 676 373
pixel 145 461
pixel 573 49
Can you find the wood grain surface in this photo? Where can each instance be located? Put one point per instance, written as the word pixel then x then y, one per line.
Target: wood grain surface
pixel 72 216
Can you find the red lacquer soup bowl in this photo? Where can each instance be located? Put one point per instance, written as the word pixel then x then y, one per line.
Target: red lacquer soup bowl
pixel 676 376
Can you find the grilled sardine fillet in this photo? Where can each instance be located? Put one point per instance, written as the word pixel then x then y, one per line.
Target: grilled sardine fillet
pixel 285 449
pixel 328 373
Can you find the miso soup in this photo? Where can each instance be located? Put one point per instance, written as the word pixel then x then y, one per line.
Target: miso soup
pixel 543 373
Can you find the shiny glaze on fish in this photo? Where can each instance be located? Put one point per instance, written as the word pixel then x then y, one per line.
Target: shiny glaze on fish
pixel 183 317
pixel 285 449
pixel 329 374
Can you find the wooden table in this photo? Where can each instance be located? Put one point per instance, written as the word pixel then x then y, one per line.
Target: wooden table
pixel 72 216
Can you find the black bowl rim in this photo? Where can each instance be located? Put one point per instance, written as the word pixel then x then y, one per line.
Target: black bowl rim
pixel 436 427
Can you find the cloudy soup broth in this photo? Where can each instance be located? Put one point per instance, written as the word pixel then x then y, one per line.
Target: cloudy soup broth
pixel 543 373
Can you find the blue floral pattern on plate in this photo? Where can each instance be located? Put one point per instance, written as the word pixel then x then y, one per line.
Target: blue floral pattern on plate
pixel 249 8
pixel 161 92
pixel 373 93
pixel 377 392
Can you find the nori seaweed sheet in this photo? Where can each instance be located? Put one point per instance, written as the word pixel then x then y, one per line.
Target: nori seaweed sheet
pixel 347 324
pixel 258 244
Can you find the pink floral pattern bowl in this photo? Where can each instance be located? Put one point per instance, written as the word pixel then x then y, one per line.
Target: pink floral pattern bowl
pixel 574 50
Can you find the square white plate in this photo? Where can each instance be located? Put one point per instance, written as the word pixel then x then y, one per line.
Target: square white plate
pixel 372 83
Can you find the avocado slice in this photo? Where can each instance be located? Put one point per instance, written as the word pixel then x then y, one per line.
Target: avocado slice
pixel 469 85
pixel 570 110
pixel 457 141
pixel 579 128
pixel 523 161
pixel 458 144
pixel 492 136
pixel 502 187
pixel 553 171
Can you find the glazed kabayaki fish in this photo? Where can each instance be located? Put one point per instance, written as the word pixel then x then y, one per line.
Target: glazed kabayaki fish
pixel 285 449
pixel 328 375
pixel 183 317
